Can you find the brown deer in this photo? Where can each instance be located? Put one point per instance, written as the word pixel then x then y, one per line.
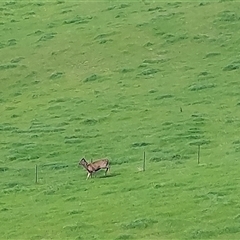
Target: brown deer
pixel 95 166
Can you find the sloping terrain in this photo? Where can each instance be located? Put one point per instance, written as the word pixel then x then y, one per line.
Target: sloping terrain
pixel 114 79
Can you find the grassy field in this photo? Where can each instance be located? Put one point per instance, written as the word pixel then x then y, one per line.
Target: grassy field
pixel 114 79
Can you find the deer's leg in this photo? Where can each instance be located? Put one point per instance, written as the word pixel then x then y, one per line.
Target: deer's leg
pixel 107 170
pixel 89 174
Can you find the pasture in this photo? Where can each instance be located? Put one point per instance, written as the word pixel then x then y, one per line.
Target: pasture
pixel 112 79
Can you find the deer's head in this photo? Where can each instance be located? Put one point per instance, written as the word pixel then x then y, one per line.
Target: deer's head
pixel 83 162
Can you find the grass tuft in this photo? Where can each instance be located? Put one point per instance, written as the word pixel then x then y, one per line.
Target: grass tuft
pixel 199 87
pixel 56 75
pixel 92 78
pixel 139 224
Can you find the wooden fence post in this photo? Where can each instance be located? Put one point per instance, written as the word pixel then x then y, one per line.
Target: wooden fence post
pixel 198 155
pixel 36 174
pixel 144 161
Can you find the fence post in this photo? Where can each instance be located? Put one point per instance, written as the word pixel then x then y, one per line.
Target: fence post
pixel 198 155
pixel 36 174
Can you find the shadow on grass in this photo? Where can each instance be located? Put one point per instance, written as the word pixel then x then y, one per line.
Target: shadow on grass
pixel 110 175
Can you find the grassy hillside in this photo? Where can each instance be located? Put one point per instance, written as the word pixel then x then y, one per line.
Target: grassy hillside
pixel 114 79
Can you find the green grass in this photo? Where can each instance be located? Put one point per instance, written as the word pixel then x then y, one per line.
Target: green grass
pixel 114 79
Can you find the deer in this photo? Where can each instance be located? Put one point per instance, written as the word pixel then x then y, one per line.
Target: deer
pixel 94 166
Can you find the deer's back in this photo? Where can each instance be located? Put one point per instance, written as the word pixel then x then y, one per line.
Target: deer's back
pixel 98 164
